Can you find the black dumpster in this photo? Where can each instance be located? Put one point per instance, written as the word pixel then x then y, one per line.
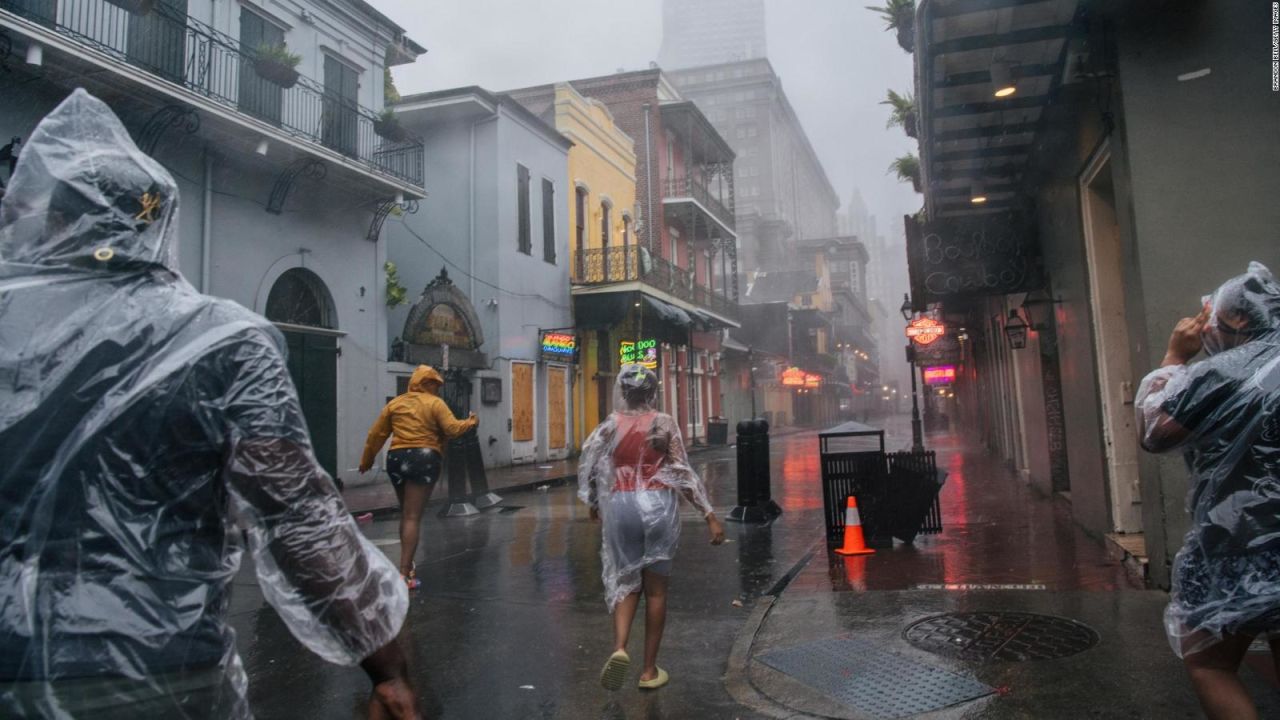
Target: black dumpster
pixel 853 463
pixel 755 497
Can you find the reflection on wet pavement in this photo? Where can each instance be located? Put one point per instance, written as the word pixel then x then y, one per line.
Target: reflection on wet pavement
pixel 510 621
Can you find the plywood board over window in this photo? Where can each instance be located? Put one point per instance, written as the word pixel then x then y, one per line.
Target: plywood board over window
pixel 521 402
pixel 556 407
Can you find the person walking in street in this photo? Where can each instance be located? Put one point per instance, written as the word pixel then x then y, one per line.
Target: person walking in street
pixel 146 432
pixel 632 470
pixel 418 423
pixel 1225 413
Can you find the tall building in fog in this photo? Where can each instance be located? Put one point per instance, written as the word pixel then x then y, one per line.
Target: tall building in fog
pixel 781 190
pixel 709 32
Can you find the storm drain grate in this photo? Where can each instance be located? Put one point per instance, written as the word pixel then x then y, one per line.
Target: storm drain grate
pixel 873 681
pixel 1006 636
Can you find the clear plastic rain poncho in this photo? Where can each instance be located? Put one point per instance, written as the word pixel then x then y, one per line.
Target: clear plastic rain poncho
pixel 633 469
pixel 145 431
pixel 1225 413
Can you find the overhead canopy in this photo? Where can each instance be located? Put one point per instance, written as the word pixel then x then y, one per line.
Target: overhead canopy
pixel 967 134
pixel 668 312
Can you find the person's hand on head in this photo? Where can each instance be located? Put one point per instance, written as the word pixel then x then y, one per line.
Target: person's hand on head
pixel 1185 341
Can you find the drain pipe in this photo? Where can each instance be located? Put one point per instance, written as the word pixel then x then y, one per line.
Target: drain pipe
pixel 648 178
pixel 206 222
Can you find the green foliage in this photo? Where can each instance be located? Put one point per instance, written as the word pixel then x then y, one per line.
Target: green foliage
pixel 896 13
pixel 907 167
pixel 278 54
pixel 388 115
pixel 901 106
pixel 390 94
pixel 397 294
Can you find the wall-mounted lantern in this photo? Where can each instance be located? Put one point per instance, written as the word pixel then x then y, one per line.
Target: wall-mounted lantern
pixel 906 307
pixel 1015 328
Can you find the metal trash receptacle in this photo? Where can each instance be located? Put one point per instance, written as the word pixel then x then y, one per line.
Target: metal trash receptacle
pixel 915 483
pixel 717 431
pixel 852 458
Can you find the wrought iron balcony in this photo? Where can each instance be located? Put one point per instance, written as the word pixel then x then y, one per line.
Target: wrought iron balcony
pixel 688 187
pixel 180 49
pixel 603 266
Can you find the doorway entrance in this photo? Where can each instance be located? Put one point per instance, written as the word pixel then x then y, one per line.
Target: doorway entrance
pixel 524 447
pixel 1111 339
pixel 301 305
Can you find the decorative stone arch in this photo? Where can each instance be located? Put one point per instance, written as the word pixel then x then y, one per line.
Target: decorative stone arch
pixel 442 316
pixel 299 297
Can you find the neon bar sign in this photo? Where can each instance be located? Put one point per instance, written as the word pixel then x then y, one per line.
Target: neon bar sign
pixel 925 330
pixel 812 380
pixel 940 375
pixel 640 352
pixel 559 346
pixel 793 377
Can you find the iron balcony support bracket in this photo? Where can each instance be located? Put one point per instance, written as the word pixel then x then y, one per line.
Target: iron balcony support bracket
pixel 311 167
pixel 169 116
pixel 385 208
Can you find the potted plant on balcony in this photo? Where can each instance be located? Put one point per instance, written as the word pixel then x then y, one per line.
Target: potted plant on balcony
pixel 388 126
pixel 900 15
pixel 275 64
pixel 136 7
pixel 903 113
pixel 908 168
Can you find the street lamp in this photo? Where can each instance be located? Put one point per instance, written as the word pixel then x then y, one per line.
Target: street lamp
pixel 1015 328
pixel 906 307
pixel 917 433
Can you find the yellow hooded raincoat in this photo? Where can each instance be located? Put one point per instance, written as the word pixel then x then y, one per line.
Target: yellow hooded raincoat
pixel 416 419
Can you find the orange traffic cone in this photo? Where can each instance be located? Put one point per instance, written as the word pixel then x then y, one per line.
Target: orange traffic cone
pixel 853 542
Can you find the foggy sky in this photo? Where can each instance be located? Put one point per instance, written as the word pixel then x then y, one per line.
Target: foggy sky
pixel 834 57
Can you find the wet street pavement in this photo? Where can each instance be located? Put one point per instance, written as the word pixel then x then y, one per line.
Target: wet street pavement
pixel 510 621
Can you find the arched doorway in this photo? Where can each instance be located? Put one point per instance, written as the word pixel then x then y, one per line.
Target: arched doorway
pixel 301 305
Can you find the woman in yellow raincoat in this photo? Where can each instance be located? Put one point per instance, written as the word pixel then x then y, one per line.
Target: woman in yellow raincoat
pixel 419 423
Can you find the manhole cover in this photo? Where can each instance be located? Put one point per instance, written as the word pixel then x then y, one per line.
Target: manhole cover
pixel 1007 636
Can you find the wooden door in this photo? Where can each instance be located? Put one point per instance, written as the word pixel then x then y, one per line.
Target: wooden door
pixel 522 410
pixel 556 384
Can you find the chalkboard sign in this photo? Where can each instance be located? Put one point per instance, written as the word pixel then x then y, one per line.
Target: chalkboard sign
pixel 962 257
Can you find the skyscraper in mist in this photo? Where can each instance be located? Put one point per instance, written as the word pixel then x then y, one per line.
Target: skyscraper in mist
pixel 709 32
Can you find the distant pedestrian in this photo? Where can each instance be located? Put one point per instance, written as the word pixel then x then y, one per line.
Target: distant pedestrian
pixel 146 430
pixel 633 465
pixel 1225 413
pixel 418 423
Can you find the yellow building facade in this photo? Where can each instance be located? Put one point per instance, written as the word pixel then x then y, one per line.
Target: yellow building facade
pixel 602 175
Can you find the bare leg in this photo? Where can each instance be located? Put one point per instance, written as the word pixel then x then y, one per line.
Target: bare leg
pixel 655 619
pixel 1214 674
pixel 413 500
pixel 623 613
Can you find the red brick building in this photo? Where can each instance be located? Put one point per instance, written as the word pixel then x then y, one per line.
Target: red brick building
pixel 674 279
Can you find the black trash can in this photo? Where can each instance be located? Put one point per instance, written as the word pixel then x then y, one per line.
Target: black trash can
pixel 755 496
pixel 853 462
pixel 717 431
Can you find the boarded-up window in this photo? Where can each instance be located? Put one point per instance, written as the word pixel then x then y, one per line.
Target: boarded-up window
pixel 524 242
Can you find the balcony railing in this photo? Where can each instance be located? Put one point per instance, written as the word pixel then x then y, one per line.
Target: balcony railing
pixel 689 187
pixel 176 47
pixel 602 266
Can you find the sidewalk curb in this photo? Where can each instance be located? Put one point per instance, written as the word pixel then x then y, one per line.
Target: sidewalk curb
pixel 737 679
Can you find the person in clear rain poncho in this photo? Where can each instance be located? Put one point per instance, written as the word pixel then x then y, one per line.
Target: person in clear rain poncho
pixel 632 471
pixel 1224 412
pixel 145 429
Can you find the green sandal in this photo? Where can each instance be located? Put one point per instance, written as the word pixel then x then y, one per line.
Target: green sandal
pixel 658 681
